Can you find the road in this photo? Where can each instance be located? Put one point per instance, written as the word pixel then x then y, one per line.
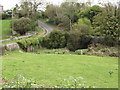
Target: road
pixel 47 27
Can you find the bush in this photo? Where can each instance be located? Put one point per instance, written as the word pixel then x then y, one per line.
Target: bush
pixel 81 51
pixel 19 82
pixel 34 42
pixel 21 25
pixel 72 82
pixel 114 54
pixel 6 16
pixel 53 51
pixel 73 40
pixel 77 39
pixel 56 39
pixel 83 26
pixel 32 26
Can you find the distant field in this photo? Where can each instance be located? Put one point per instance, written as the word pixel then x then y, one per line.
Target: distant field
pixel 6 30
pixel 46 68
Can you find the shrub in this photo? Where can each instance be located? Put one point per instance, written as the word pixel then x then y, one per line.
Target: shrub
pixel 32 26
pixel 19 82
pixel 56 39
pixel 6 16
pixel 72 82
pixel 114 54
pixel 81 51
pixel 46 42
pixel 83 26
pixel 73 40
pixel 25 43
pixel 21 25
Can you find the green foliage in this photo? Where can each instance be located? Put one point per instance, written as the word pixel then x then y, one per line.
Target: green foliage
pixel 51 13
pixel 83 26
pixel 106 24
pixel 90 12
pixel 32 26
pixel 27 9
pixel 56 39
pixel 81 51
pixel 21 25
pixel 25 43
pixel 73 40
pixel 65 13
pixel 84 21
pixel 72 82
pixel 103 50
pixel 52 51
pixel 18 82
pixel 6 16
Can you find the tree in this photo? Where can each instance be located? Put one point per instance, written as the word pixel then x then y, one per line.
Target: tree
pixel 21 25
pixel 90 12
pixel 83 26
pixel 69 10
pixel 106 24
pixel 6 16
pixel 28 8
pixel 73 40
pixel 56 39
pixel 51 13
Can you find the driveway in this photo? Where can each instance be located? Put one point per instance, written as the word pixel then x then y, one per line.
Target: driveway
pixel 47 27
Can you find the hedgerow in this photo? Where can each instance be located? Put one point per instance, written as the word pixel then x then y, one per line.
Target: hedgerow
pixel 25 43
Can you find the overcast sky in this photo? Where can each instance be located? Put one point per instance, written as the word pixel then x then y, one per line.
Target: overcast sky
pixel 8 4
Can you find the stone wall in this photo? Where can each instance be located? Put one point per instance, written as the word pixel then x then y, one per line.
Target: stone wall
pixel 8 47
pixel 13 46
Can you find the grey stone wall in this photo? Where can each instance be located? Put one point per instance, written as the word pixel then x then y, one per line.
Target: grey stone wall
pixel 13 46
pixel 8 47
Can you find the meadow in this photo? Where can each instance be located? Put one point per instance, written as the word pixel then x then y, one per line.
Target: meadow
pixel 45 69
pixel 6 30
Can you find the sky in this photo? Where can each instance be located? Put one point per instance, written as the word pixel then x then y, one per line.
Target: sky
pixel 8 4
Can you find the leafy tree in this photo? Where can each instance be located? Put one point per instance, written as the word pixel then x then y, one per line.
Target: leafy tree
pixel 28 9
pixel 6 16
pixel 90 12
pixel 106 24
pixel 69 13
pixel 65 13
pixel 83 26
pixel 21 25
pixel 73 40
pixel 56 39
pixel 51 13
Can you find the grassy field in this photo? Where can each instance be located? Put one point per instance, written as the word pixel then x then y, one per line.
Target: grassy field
pixel 47 68
pixel 6 32
pixel 6 29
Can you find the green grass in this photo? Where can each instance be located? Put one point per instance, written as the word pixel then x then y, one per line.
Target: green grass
pixel 40 31
pixel 46 68
pixel 6 30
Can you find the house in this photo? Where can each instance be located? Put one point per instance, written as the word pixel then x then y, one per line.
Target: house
pixel 1 9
